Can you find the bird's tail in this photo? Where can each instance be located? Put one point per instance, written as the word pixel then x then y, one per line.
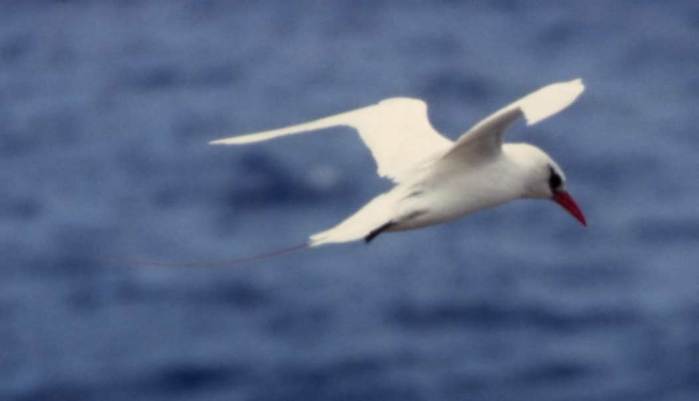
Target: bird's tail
pixel 210 263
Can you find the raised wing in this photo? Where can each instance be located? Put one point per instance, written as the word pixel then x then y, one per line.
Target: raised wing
pixel 484 140
pixel 397 131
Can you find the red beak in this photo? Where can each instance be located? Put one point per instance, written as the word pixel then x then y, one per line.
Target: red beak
pixel 567 202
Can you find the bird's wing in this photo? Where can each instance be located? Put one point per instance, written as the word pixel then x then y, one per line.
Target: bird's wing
pixel 397 131
pixel 484 140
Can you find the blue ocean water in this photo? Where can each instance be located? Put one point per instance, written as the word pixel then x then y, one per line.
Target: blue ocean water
pixel 106 108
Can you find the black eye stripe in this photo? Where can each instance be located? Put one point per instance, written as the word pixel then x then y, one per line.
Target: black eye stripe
pixel 555 180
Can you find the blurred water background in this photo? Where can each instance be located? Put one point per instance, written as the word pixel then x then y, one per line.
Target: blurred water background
pixel 106 108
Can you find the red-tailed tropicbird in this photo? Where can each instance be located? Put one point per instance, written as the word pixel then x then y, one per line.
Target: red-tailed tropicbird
pixel 437 180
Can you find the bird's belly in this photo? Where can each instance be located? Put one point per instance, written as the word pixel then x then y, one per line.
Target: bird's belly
pixel 433 213
pixel 444 203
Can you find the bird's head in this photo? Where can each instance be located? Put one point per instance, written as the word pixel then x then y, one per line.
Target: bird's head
pixel 544 179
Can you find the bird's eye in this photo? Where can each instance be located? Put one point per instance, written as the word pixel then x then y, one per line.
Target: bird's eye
pixel 555 180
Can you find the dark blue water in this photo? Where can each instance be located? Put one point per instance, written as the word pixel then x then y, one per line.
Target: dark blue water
pixel 105 113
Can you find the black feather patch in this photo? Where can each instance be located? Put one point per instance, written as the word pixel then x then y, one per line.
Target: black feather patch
pixel 377 231
pixel 555 180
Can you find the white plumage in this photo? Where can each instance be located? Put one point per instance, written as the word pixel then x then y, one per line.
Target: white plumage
pixel 437 179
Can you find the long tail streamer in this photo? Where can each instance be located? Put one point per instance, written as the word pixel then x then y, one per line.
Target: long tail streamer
pixel 209 264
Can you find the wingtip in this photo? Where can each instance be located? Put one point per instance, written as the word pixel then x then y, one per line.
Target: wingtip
pixel 226 141
pixel 578 84
pixel 551 99
pixel 573 88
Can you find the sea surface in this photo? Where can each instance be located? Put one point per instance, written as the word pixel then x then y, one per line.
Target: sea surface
pixel 106 108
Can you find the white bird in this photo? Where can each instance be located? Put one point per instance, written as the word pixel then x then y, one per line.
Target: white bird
pixel 437 180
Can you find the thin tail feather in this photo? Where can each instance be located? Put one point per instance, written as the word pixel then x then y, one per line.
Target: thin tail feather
pixel 218 263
